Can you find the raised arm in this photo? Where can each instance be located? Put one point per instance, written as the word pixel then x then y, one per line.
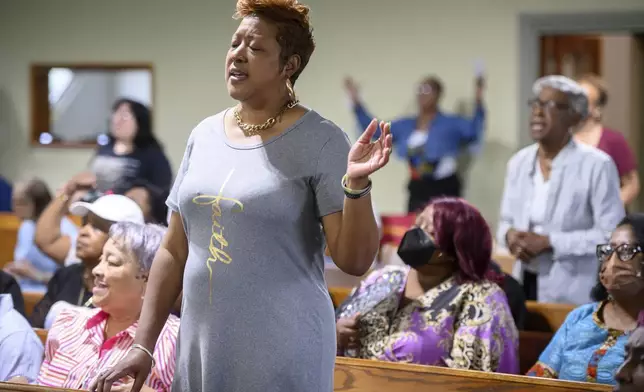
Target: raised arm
pixel 607 209
pixel 471 129
pixel 49 238
pixel 352 234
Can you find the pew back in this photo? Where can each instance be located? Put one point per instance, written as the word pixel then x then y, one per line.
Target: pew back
pixel 359 375
pixel 9 224
pixel 545 317
pixel 42 334
pixel 31 299
pixel 339 294
pixel 8 387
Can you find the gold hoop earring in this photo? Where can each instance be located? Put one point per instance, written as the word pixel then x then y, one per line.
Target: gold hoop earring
pixel 291 92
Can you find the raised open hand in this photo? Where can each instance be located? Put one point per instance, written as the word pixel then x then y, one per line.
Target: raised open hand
pixel 365 156
pixel 352 88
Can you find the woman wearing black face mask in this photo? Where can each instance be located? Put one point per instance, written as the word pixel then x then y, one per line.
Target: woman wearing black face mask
pixel 443 308
pixel 593 336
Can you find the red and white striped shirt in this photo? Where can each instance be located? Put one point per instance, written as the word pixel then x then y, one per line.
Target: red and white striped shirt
pixel 76 350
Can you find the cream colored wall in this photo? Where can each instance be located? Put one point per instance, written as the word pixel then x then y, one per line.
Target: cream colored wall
pixel 387 45
pixel 623 71
pixel 616 71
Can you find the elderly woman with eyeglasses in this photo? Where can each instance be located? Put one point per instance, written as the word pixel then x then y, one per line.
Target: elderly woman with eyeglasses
pixel 560 199
pixel 82 343
pixel 590 345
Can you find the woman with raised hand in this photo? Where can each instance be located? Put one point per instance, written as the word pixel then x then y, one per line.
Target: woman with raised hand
pixel 262 188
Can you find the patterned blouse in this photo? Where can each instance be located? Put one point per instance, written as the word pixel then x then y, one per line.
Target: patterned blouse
pixel 76 350
pixel 583 349
pixel 464 326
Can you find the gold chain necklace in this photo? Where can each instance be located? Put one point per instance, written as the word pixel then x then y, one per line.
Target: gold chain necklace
pixel 256 129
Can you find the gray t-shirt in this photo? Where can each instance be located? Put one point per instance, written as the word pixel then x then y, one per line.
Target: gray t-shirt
pixel 256 314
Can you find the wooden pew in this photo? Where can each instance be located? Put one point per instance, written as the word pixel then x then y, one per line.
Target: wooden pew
pixel 339 294
pixel 9 225
pixel 8 387
pixel 354 375
pixel 544 317
pixel 42 334
pixel 31 299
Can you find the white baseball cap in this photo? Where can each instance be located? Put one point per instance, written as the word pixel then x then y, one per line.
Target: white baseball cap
pixel 114 208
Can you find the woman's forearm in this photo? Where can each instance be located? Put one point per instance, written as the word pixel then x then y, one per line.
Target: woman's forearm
pixel 48 237
pixel 630 187
pixel 163 288
pixel 359 239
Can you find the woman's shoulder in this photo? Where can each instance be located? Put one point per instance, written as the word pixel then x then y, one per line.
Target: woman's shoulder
pixel 582 312
pixel 320 126
pixel 26 226
pixel 386 272
pixel 73 316
pixel 613 136
pixel 485 288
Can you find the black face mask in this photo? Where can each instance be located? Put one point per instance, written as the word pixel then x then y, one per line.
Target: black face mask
pixel 416 248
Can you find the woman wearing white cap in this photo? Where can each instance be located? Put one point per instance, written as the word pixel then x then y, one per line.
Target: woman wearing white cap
pixel 73 284
pixel 560 199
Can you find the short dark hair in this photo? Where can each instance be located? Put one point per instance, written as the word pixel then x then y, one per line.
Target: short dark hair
pixel 144 136
pixel 636 222
pixel 294 31
pixel 599 84
pixel 461 231
pixel 38 192
pixel 435 83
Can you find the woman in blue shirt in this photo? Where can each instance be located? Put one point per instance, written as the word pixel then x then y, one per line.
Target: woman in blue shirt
pixel 590 345
pixel 430 141
pixel 31 267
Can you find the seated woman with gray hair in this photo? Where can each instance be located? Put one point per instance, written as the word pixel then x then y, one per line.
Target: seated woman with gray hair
pixel 84 342
pixel 560 199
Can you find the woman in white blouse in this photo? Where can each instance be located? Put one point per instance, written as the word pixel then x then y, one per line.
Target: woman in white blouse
pixel 560 199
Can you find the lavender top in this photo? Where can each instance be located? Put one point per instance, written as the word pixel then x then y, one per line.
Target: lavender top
pixel 464 326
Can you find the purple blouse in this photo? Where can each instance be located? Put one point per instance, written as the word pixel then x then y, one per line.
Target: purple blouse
pixel 464 326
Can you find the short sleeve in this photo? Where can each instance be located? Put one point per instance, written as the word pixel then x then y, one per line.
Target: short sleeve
pixel 22 355
pixel 551 359
pixel 622 154
pixel 331 167
pixel 173 199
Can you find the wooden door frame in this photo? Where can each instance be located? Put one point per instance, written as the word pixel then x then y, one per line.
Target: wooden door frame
pixel 533 25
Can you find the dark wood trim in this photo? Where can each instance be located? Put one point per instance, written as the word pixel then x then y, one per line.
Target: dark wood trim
pixel 39 88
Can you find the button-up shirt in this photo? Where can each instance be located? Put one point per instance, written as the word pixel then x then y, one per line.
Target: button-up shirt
pixel 21 351
pixel 77 351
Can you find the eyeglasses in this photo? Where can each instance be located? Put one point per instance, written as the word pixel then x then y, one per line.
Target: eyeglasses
pixel 625 252
pixel 547 105
pixel 425 89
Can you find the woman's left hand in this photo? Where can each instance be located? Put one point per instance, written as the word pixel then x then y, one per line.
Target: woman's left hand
pixel 365 156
